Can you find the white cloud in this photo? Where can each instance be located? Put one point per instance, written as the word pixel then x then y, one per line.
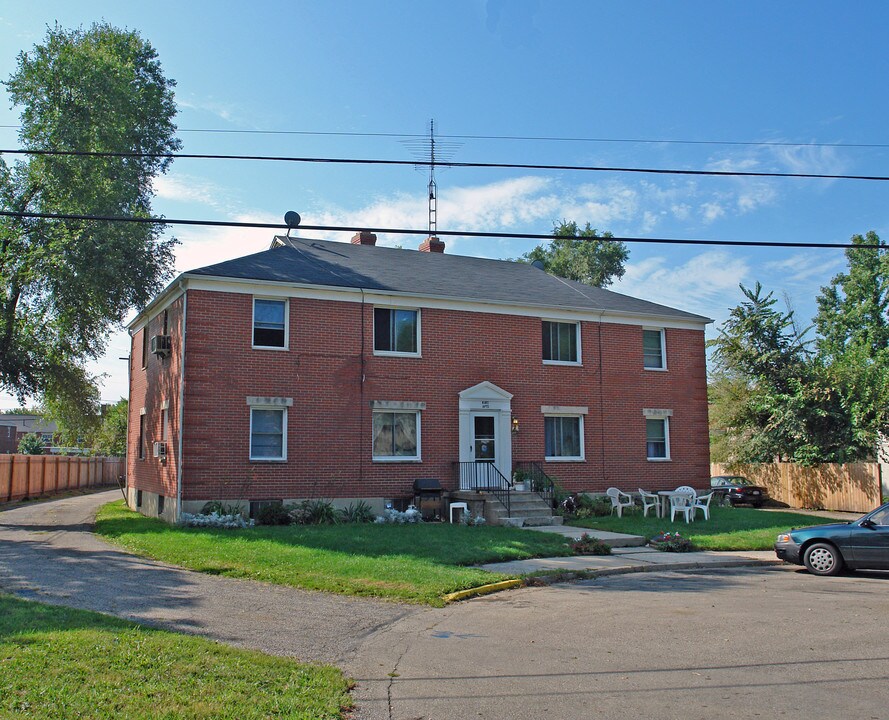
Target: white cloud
pixel 706 284
pixel 188 188
pixel 806 266
pixel 809 159
pixel 224 111
pixel 711 211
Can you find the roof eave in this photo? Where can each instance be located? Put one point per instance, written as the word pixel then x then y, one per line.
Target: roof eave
pixel 685 318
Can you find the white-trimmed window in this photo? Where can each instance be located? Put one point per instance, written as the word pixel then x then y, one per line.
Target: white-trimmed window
pixel 657 438
pixel 396 331
pixel 270 323
pixel 396 435
pixel 654 351
pixel 563 437
pixel 561 342
pixel 268 427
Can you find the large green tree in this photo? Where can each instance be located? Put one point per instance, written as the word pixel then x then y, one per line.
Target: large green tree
pixel 771 397
pixel 853 337
pixel 111 438
pixel 581 254
pixel 64 285
pixel 774 397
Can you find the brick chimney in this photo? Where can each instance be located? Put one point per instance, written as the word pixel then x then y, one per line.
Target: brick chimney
pixel 364 238
pixel 432 244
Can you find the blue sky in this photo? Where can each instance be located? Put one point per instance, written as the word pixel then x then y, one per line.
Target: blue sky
pixel 758 72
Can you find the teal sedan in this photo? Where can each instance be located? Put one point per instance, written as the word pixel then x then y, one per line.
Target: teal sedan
pixel 827 549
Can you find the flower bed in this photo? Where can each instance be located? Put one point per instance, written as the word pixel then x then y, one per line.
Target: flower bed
pixel 671 542
pixel 588 545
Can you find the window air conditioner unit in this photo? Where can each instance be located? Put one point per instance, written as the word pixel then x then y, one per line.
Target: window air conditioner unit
pixel 161 345
pixel 160 450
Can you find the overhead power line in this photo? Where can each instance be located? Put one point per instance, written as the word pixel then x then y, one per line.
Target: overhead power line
pixel 445 233
pixel 451 164
pixel 534 138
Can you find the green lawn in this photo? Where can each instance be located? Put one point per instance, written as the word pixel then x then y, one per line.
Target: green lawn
pixel 728 528
pixel 411 563
pixel 57 662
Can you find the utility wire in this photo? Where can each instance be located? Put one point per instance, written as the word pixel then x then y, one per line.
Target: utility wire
pixel 451 164
pixel 545 138
pixel 446 233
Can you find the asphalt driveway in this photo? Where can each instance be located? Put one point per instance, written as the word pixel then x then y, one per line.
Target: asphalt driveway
pixel 48 553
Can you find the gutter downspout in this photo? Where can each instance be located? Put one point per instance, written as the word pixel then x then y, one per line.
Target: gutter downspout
pixel 126 453
pixel 361 397
pixel 181 405
pixel 602 400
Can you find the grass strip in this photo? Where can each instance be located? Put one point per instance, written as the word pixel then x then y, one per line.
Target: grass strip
pixel 408 563
pixel 57 662
pixel 728 528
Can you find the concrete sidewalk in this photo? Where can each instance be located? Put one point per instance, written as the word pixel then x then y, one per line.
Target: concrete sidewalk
pixel 629 554
pixel 635 559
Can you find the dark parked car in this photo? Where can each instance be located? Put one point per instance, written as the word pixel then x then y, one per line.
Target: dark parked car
pixel 827 549
pixel 737 490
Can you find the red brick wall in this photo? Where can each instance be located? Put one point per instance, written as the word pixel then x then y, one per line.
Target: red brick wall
pixel 329 424
pixel 150 387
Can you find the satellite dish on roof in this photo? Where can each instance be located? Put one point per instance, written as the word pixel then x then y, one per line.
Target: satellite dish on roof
pixel 538 264
pixel 291 219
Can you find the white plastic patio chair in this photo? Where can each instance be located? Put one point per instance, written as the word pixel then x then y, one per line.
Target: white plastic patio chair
pixel 619 500
pixel 650 500
pixel 702 502
pixel 688 490
pixel 681 504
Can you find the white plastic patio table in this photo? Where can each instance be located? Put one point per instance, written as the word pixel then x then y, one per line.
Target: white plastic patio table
pixel 665 496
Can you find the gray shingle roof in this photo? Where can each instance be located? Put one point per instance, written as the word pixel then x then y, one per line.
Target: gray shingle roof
pixel 321 262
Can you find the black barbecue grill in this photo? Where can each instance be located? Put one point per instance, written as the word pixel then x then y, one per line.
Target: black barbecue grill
pixel 427 498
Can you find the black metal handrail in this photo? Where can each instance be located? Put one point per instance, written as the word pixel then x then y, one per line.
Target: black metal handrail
pixel 540 482
pixel 484 477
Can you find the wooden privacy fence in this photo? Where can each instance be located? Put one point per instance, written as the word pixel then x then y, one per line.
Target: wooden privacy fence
pixel 853 488
pixel 23 476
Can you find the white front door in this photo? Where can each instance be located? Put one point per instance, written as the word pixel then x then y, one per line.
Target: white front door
pixel 485 435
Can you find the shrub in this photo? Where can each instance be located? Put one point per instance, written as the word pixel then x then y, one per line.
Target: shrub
pixel 409 516
pixel 360 512
pixel 472 520
pixel 313 512
pixel 588 545
pixel 31 444
pixel 273 514
pixel 671 542
pixel 586 506
pixel 233 521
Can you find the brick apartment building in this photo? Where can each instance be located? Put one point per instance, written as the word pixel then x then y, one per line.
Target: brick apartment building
pixel 318 369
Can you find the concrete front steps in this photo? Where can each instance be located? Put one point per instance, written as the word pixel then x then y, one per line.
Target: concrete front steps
pixel 528 509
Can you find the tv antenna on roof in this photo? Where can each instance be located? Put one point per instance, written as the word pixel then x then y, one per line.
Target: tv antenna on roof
pixel 436 151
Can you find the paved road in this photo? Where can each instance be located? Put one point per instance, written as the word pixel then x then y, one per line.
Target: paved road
pixel 765 642
pixel 739 643
pixel 48 553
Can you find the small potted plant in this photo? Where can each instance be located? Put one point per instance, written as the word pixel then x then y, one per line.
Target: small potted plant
pixel 519 480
